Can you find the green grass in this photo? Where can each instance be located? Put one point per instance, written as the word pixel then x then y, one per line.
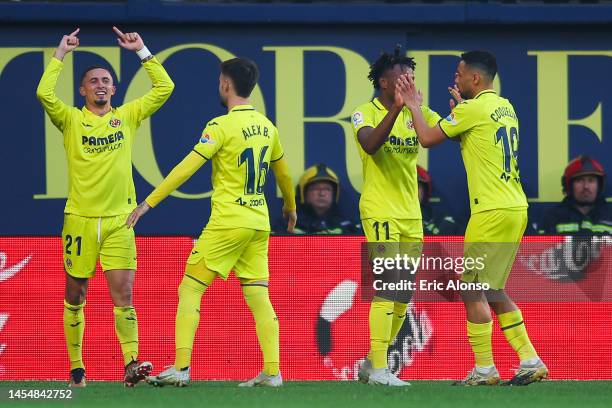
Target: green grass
pixel 322 394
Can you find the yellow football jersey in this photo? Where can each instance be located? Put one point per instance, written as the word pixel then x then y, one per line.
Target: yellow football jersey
pixel 390 188
pixel 489 131
pixel 241 145
pixel 99 148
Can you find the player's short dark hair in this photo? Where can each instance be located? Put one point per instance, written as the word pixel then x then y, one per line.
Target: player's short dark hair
pixel 483 61
pixel 244 74
pixel 386 62
pixel 91 68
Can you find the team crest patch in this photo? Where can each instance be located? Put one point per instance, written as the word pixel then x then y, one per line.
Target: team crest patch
pixel 206 139
pixel 410 124
pixel 357 119
pixel 451 118
pixel 114 122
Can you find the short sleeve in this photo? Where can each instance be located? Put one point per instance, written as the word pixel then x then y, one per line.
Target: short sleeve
pixel 431 117
pixel 362 118
pixel 211 140
pixel 460 120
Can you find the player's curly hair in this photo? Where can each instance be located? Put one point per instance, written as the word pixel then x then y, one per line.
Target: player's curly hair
pixel 387 61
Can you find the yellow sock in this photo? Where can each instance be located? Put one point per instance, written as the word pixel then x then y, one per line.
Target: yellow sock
pixel 479 335
pixel 381 322
pixel 187 319
pixel 126 328
pixel 399 316
pixel 514 329
pixel 74 327
pixel 266 324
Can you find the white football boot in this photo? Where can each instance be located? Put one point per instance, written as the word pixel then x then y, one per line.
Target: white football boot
pixel 382 376
pixel 264 380
pixel 171 376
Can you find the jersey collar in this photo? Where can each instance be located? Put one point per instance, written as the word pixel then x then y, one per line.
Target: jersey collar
pixel 90 113
pixel 378 105
pixel 239 108
pixel 486 91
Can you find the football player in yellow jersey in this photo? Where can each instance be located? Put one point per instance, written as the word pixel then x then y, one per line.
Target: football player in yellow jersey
pixel 243 145
pixel 389 204
pixel 487 126
pixel 98 140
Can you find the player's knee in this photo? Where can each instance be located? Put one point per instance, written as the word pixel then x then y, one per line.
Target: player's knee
pixel 75 294
pixel 122 296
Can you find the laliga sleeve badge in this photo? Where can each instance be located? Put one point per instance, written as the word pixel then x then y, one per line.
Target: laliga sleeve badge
pixel 206 139
pixel 68 263
pixel 451 118
pixel 357 119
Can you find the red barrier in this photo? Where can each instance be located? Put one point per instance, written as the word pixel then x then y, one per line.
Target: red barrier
pixel 574 339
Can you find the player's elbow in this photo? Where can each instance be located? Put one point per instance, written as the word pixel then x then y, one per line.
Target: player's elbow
pixel 41 93
pixel 168 87
pixel 426 143
pixel 369 149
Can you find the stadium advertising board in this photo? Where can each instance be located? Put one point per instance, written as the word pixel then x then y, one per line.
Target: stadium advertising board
pixel 314 287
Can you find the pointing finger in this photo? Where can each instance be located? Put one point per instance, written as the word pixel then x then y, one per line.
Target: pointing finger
pixel 75 32
pixel 118 32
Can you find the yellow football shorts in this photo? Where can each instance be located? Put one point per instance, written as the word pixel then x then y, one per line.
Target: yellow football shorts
pixel 243 250
pixel 84 239
pixel 494 236
pixel 388 238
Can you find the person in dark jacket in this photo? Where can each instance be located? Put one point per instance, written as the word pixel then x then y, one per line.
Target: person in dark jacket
pixel 584 210
pixel 434 224
pixel 318 192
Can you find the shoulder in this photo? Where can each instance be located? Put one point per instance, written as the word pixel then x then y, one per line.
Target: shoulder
pixel 215 125
pixel 426 110
pixel 266 120
pixel 366 108
pixel 363 114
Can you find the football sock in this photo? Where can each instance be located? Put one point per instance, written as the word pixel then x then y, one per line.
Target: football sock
pixel 126 327
pixel 266 324
pixel 399 316
pixel 479 336
pixel 514 329
pixel 187 319
pixel 74 327
pixel 381 322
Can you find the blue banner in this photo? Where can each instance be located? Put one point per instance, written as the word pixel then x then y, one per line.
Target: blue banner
pixel 311 80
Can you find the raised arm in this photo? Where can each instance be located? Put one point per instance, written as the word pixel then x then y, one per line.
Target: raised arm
pixel 163 86
pixel 57 110
pixel 283 180
pixel 371 138
pixel 179 174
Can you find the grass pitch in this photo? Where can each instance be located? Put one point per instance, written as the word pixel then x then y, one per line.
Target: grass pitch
pixel 555 394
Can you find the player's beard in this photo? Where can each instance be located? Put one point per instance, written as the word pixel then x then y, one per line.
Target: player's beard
pixel 100 102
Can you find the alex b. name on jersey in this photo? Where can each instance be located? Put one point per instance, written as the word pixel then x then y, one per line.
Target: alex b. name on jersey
pixel 255 130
